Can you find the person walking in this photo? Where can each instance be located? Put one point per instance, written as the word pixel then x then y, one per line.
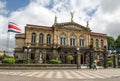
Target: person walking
pixel 94 65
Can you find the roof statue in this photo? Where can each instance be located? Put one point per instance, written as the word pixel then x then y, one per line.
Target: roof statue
pixel 55 21
pixel 72 14
pixel 88 24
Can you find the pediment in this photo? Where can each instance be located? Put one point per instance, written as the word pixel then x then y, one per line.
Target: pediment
pixel 72 25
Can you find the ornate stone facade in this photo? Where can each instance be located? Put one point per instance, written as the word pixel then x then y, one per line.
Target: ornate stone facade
pixel 42 43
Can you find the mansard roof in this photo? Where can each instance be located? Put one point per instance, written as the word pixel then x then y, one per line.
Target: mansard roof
pixel 100 34
pixel 38 26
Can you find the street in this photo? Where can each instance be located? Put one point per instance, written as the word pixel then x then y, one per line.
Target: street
pixel 61 75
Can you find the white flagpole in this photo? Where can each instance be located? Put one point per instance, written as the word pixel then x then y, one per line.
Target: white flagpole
pixel 7 44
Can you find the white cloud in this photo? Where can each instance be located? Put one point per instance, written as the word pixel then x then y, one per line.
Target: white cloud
pixel 2 7
pixel 109 6
pixel 102 14
pixel 106 19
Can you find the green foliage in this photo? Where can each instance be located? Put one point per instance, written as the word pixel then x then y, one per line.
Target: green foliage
pixel 111 41
pixel 109 63
pixel 69 57
pixel 28 61
pixel 1 57
pixel 117 42
pixel 9 60
pixel 54 61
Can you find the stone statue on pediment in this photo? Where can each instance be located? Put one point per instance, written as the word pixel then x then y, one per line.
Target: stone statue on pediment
pixel 72 14
pixel 88 24
pixel 55 21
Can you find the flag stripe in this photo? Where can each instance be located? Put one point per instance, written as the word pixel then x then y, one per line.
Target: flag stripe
pixel 14 31
pixel 13 28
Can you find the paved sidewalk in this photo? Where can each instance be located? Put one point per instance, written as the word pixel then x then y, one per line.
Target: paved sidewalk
pixel 85 67
pixel 80 74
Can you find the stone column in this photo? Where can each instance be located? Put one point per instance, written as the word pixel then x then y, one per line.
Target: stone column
pixel 55 53
pixel 44 56
pixel 37 51
pixel 78 60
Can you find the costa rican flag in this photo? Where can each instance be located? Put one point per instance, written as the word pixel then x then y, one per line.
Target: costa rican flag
pixel 12 27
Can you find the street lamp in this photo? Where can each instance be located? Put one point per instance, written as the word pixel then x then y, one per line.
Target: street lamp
pixel 78 58
pixel 44 56
pixel 115 63
pixel 118 60
pixel 90 56
pixel 105 57
pixel 27 50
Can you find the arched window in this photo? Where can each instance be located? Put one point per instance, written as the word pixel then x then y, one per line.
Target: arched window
pixel 62 40
pixel 91 41
pixel 33 38
pixel 81 41
pixel 41 38
pixel 97 43
pixel 72 40
pixel 102 43
pixel 48 39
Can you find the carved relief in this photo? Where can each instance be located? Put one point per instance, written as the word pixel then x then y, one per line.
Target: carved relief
pixel 73 27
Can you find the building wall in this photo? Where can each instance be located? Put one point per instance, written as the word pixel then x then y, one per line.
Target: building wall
pixel 99 37
pixel 40 51
pixel 37 31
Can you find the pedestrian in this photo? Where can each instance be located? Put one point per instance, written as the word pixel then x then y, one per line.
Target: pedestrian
pixel 94 66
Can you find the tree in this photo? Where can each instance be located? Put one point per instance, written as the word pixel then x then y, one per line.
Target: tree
pixel 117 44
pixel 111 42
pixel 69 58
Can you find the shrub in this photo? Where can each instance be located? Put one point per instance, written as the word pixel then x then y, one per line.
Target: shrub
pixel 69 57
pixel 1 57
pixel 9 60
pixel 110 63
pixel 28 61
pixel 54 61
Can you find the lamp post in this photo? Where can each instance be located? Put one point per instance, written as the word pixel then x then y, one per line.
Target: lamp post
pixel 118 60
pixel 78 58
pixel 115 63
pixel 27 50
pixel 105 57
pixel 90 56
pixel 27 53
pixel 44 56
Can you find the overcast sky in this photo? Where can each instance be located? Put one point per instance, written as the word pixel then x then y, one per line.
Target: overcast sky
pixel 103 15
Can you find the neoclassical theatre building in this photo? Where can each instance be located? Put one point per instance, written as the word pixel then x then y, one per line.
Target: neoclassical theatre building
pixel 43 43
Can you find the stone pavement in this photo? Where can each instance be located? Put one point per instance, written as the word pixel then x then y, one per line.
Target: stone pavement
pixel 78 74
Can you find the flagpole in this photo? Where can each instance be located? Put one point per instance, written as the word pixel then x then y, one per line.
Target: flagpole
pixel 8 37
pixel 12 27
pixel 7 44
